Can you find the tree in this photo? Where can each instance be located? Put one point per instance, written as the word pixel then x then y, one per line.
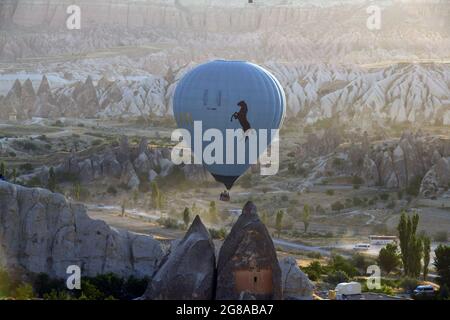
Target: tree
pixel 212 212
pixel 194 209
pixel 51 184
pixel 156 196
pixel 77 191
pixel 135 196
pixel 186 216
pixel 3 169
pixel 264 217
pixel 123 207
pixel 426 256
pixel 306 217
pixel 410 244
pixel 279 221
pixel 14 175
pixel 442 265
pixel 388 258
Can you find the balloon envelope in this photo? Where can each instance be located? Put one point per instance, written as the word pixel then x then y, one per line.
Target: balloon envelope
pixel 210 93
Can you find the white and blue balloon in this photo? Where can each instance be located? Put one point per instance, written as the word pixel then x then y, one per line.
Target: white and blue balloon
pixel 229 95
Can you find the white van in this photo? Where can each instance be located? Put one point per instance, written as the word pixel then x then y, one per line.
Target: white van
pixel 361 246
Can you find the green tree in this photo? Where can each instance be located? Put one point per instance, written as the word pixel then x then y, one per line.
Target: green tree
pixel 264 218
pixel 212 212
pixel 426 256
pixel 76 190
pixel 3 169
pixel 194 209
pixel 186 216
pixel 14 175
pixel 135 196
pixel 306 217
pixel 442 265
pixel 410 244
pixel 279 221
pixel 156 196
pixel 388 258
pixel 123 207
pixel 51 184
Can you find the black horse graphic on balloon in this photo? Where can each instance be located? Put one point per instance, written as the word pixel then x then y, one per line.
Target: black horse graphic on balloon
pixel 241 116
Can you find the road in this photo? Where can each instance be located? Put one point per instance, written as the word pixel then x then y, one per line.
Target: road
pixel 114 210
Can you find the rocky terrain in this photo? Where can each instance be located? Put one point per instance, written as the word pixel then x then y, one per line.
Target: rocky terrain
pixel 416 161
pixel 128 59
pixel 365 98
pixel 299 30
pixel 129 166
pixel 189 270
pixel 41 232
pixel 296 284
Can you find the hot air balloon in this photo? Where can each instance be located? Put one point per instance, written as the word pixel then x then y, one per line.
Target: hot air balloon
pixel 229 95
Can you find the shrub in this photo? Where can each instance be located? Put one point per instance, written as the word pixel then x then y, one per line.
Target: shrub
pixel 339 263
pixel 391 204
pixel 27 167
pixel 337 162
pixel 313 255
pixel 337 206
pixel 356 180
pixel 330 192
pixel 24 292
pixel 44 285
pixel 170 223
pixel 360 262
pixel 314 270
pixel 357 201
pixel 384 196
pixel 34 182
pixel 5 283
pixel 58 123
pixel 246 181
pixel 111 190
pixel 408 284
pixel 97 142
pixel 26 145
pixel 218 233
pixel 337 277
pixel 385 289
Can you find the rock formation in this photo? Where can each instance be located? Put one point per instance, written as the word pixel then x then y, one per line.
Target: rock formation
pixel 396 163
pixel 188 272
pixel 296 284
pixel 248 261
pixel 437 179
pixel 129 165
pixel 41 232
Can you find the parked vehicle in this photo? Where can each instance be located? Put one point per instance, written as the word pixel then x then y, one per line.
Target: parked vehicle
pixel 361 246
pixel 424 291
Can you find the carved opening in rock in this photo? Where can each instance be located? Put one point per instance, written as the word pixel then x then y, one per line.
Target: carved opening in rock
pixel 254 281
